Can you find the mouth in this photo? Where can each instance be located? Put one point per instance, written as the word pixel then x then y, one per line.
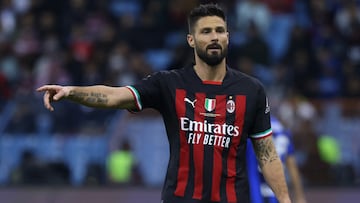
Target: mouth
pixel 214 47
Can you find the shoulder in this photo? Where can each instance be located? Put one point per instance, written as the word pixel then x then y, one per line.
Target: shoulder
pixel 159 77
pixel 244 78
pixel 168 73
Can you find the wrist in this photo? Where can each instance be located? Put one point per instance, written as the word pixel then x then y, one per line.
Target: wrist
pixel 285 200
pixel 69 91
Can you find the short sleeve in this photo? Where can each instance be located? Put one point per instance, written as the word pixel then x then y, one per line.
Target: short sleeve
pixel 147 92
pixel 261 127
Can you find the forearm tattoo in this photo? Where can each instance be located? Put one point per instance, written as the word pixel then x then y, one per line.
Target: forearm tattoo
pixel 265 151
pixel 92 98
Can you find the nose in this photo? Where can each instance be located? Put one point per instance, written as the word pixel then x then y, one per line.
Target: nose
pixel 214 36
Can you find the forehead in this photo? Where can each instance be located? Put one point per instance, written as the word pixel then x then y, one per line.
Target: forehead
pixel 210 22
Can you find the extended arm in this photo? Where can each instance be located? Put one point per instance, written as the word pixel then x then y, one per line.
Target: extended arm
pixel 98 96
pixel 271 167
pixel 295 179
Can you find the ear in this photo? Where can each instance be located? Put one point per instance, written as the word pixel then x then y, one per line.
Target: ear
pixel 190 40
pixel 228 37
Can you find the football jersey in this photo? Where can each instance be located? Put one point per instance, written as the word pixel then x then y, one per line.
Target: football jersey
pixel 207 125
pixel 260 190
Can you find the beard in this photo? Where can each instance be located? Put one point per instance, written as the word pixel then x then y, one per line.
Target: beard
pixel 212 58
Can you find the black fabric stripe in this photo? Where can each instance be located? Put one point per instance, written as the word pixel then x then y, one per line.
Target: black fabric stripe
pixel 189 113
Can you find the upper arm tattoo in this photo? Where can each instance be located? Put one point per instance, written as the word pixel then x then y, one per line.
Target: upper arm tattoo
pixel 265 150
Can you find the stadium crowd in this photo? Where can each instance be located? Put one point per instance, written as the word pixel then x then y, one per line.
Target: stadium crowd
pixel 302 50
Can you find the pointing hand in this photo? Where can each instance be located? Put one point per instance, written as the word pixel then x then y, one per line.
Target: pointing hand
pixel 52 93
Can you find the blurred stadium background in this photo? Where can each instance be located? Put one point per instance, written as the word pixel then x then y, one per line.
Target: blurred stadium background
pixel 306 52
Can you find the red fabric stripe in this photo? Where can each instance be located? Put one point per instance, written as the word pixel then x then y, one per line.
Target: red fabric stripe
pixel 183 171
pixel 240 107
pixel 198 149
pixel 210 82
pixel 217 163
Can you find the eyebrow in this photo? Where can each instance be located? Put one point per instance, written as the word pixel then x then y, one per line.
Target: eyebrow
pixel 216 28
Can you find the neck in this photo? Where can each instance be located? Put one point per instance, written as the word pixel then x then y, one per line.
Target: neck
pixel 210 73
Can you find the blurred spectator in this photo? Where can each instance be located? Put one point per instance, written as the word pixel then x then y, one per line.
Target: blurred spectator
pixel 280 6
pixel 255 46
pixel 303 72
pixel 154 14
pixel 49 67
pixel 34 172
pixel 95 24
pixel 7 18
pixel 299 115
pixel 80 43
pixel 329 74
pixel 353 46
pixel 74 67
pixel 312 157
pixel 92 73
pixel 299 40
pixel 96 175
pixel 31 170
pixel 347 17
pixel 23 119
pixel 329 149
pixel 76 12
pixel 319 12
pixel 5 91
pixel 48 24
pixel 253 13
pixel 247 65
pixel 139 66
pixel 21 6
pixel 295 110
pixel 27 43
pixel 347 20
pixel 9 64
pixel 121 165
pixel 351 80
pixel 126 9
pixel 279 84
pixel 119 72
pixel 282 21
pixel 177 12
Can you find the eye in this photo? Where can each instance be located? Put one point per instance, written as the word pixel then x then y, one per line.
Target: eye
pixel 220 30
pixel 206 31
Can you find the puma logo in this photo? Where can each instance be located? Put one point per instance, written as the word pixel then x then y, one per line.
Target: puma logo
pixel 267 107
pixel 190 102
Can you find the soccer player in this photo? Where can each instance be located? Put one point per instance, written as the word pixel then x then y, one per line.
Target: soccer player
pixel 259 189
pixel 209 111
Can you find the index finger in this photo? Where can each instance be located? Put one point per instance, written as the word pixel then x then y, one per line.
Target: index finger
pixel 46 87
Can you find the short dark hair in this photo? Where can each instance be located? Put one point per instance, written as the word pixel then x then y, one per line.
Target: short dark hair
pixel 202 11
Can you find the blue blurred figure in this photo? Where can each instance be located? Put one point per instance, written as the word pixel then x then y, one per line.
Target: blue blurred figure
pixel 260 192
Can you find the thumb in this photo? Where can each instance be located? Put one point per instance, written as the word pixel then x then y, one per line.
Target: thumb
pixel 58 95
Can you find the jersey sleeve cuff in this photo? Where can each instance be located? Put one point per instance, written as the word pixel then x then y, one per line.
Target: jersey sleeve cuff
pixel 261 135
pixel 136 96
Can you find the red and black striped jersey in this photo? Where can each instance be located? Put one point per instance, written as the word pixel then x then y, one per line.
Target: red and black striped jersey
pixel 207 124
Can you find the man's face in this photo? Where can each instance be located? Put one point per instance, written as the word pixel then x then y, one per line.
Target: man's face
pixel 210 39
